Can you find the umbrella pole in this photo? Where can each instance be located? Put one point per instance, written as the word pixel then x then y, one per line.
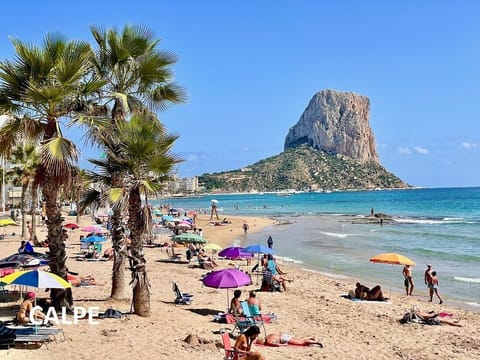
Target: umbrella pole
pixel 258 267
pixel 228 307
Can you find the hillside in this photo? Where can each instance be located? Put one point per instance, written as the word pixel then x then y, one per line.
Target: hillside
pixel 304 169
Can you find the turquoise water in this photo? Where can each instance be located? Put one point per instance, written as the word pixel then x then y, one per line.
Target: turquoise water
pixel 436 226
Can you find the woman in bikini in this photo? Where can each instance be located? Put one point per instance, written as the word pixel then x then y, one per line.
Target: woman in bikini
pixel 244 343
pixel 287 339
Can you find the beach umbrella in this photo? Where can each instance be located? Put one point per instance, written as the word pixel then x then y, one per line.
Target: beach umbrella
pixel 212 246
pixel 214 201
pixel 234 252
pixel 93 239
pixel 71 226
pixel 4 223
pixel 36 278
pixel 92 229
pixel 392 258
pixel 168 218
pixel 7 221
pixel 184 225
pixel 226 279
pixel 26 259
pixel 189 238
pixel 258 249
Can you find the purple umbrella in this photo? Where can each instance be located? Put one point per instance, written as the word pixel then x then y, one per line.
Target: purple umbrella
pixel 227 279
pixel 234 252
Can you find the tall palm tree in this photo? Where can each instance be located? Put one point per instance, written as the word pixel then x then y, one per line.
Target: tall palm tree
pixel 138 79
pixel 39 87
pixel 142 156
pixel 22 173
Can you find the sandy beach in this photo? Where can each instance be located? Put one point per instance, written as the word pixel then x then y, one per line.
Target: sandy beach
pixel 312 306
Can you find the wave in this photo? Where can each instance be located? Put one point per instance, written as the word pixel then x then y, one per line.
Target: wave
pixel 468 280
pixel 341 236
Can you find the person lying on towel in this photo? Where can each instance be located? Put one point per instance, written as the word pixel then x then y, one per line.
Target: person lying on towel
pixel 282 339
pixel 365 293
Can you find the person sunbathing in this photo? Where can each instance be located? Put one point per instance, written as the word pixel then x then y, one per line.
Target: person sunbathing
pixel 365 293
pixel 283 339
pixel 88 280
pixel 430 318
pixel 244 342
pixel 23 315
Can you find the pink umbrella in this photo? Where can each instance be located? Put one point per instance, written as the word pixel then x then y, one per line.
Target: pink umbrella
pixel 184 225
pixel 92 229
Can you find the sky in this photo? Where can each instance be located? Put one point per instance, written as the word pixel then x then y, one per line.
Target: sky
pixel 251 67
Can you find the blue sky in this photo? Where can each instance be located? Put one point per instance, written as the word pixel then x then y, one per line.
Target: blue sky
pixel 251 67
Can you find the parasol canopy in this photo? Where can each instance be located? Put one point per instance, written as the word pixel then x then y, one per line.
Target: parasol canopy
pixel 189 238
pixel 392 258
pixel 36 278
pixel 235 252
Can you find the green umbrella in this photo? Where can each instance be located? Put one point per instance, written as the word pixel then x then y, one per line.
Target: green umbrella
pixel 189 238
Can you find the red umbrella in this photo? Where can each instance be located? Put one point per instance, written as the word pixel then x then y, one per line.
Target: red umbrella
pixel 71 226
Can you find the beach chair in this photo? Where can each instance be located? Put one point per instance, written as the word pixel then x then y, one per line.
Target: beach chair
pixel 181 298
pixel 254 319
pixel 230 353
pixel 269 283
pixel 7 336
pixel 240 324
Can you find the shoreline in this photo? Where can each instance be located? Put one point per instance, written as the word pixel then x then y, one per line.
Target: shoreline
pixel 312 306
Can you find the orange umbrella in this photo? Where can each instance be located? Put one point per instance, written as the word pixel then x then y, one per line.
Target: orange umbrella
pixel 392 258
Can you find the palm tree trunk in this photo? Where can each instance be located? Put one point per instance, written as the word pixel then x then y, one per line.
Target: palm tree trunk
pixel 141 291
pixel 23 205
pixel 119 284
pixel 56 246
pixel 34 215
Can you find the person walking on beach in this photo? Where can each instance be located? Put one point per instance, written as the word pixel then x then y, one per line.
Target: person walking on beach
pixel 409 285
pixel 270 242
pixel 245 227
pixel 434 287
pixel 428 276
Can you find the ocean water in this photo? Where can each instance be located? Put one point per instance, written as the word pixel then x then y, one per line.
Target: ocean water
pixel 324 232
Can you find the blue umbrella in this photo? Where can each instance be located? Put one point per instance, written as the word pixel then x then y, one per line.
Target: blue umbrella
pixel 260 249
pixel 93 239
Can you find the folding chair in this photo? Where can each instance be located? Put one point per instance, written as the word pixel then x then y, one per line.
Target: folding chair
pixel 181 298
pixel 230 353
pixel 253 319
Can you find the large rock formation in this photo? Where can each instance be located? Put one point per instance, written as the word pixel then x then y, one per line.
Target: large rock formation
pixel 336 123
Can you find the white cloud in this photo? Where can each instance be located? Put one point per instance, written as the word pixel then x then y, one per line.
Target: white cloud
pixel 468 145
pixel 403 150
pixel 421 150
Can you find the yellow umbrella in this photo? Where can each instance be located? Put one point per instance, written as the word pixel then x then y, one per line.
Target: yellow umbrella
pixel 212 246
pixel 7 221
pixel 36 278
pixel 392 258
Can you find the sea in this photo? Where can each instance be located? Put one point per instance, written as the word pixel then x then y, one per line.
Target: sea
pixel 329 233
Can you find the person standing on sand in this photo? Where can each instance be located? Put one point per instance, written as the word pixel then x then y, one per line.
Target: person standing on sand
pixel 245 227
pixel 434 287
pixel 409 285
pixel 428 276
pixel 213 205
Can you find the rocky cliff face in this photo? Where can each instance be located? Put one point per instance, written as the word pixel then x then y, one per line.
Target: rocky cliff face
pixel 336 123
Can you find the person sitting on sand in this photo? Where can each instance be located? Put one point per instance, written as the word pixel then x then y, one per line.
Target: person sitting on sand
pixel 365 293
pixel 283 339
pixel 23 315
pixel 206 261
pixel 244 342
pixel 108 253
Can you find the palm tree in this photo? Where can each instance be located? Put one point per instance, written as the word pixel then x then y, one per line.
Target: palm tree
pixel 22 173
pixel 142 155
pixel 39 87
pixel 138 80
